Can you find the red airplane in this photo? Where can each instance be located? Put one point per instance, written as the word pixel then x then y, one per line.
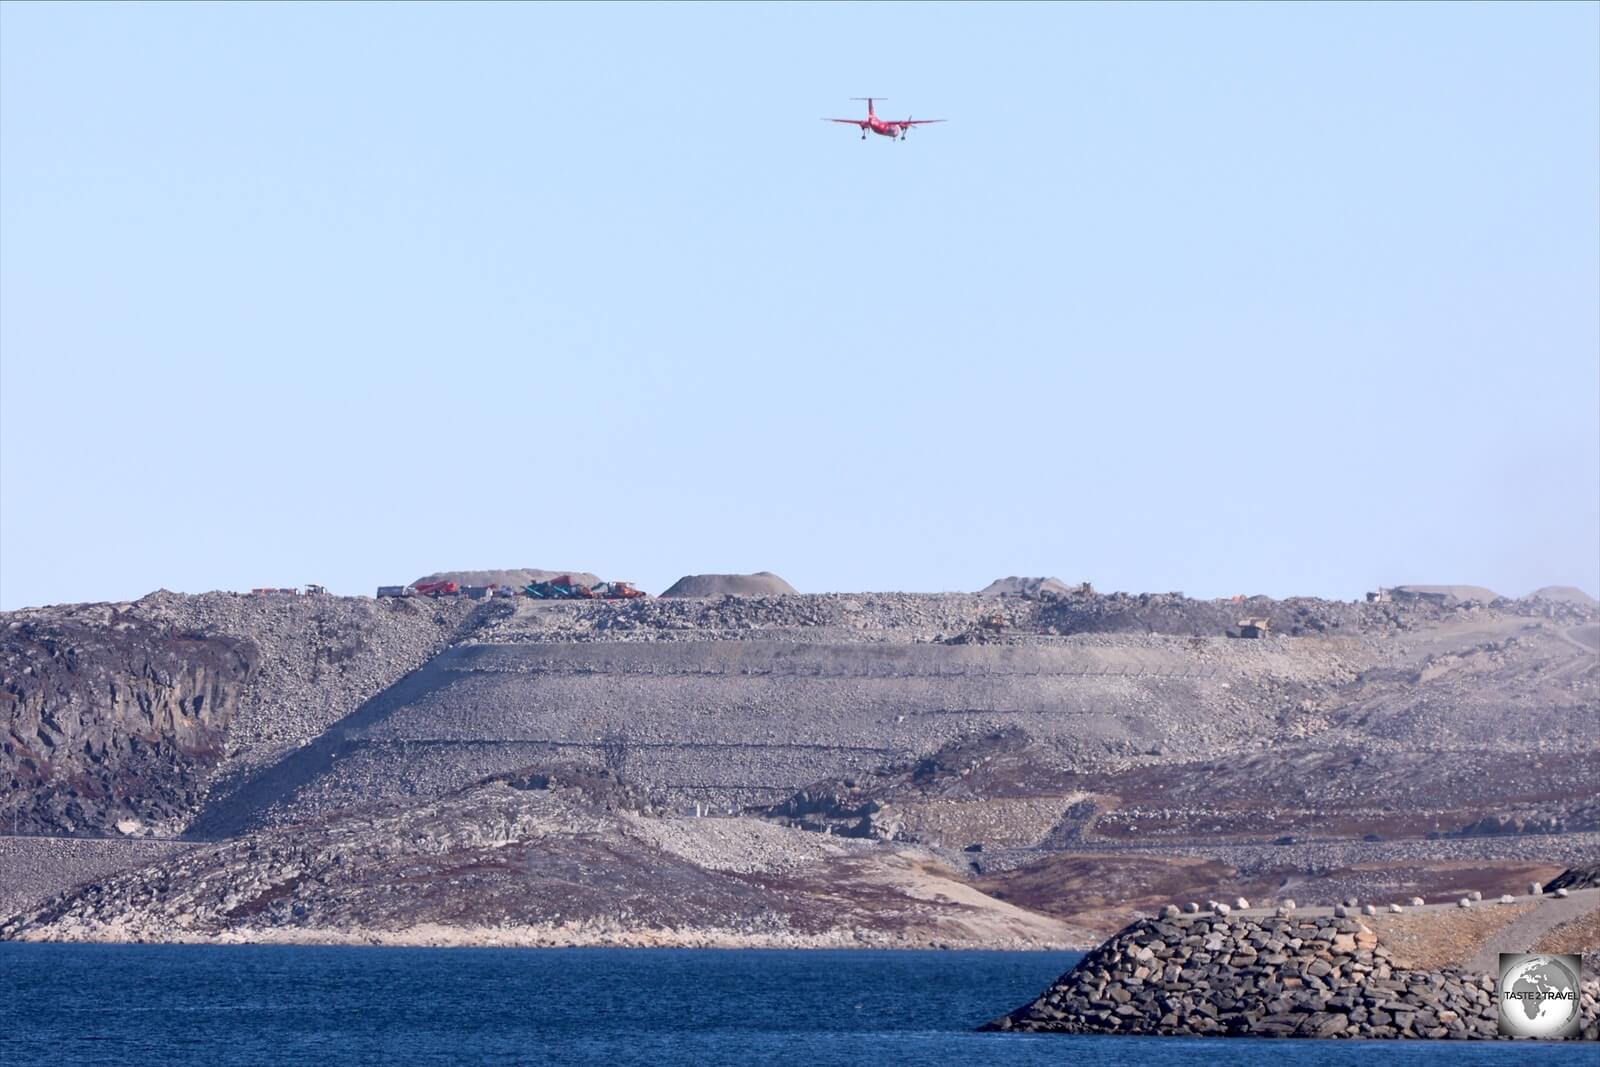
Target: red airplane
pixel 872 122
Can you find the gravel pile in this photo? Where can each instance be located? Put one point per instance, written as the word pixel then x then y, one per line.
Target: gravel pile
pixel 33 869
pixel 1570 594
pixel 761 583
pixel 1033 588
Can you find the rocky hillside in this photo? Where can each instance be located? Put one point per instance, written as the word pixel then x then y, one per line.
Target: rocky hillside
pixel 1072 755
pixel 132 713
pixel 499 863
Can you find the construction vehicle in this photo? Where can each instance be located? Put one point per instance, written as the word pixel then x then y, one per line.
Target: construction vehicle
pixel 1256 626
pixel 394 590
pixel 575 590
pixel 618 591
pixel 562 588
pixel 437 589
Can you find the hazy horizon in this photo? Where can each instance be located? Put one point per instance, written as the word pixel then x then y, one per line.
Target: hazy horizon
pixel 1297 300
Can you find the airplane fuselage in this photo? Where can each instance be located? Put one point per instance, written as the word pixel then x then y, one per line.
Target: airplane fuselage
pixel 894 130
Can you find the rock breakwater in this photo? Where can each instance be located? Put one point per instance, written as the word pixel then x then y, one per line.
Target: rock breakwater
pixel 1272 976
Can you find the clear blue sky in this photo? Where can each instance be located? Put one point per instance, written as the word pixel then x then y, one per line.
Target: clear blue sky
pixel 1283 299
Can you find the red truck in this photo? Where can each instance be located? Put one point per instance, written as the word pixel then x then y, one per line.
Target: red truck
pixel 438 589
pixel 617 591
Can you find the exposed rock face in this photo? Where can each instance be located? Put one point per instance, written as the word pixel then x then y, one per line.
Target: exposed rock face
pixel 133 713
pixel 1585 877
pixel 113 722
pixel 761 583
pixel 1281 976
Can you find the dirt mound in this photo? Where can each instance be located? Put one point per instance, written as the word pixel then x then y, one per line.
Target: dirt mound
pixel 1460 592
pixel 1025 587
pixel 1569 594
pixel 516 577
pixel 761 583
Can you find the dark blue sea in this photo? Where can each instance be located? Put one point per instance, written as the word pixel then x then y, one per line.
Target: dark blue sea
pixel 322 1007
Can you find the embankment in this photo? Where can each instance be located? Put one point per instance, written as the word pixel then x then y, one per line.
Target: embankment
pixel 1279 975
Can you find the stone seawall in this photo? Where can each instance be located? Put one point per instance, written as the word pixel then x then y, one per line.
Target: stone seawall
pixel 1282 976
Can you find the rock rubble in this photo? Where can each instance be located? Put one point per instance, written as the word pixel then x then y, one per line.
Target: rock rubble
pixel 1273 976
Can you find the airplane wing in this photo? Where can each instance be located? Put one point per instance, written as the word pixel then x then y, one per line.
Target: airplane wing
pixel 915 122
pixel 848 122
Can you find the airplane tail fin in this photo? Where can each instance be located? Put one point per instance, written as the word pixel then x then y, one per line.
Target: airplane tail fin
pixel 872 112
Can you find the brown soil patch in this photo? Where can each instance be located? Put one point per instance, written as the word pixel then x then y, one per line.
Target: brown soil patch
pixel 1106 892
pixel 1446 881
pixel 1580 935
pixel 1448 938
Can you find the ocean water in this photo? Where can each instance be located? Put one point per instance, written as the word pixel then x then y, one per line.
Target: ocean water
pixel 324 1007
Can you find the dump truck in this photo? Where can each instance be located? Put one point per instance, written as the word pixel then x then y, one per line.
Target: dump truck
pixel 618 591
pixel 438 589
pixel 1257 626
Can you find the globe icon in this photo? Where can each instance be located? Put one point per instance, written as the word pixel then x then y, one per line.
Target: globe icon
pixel 1538 997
